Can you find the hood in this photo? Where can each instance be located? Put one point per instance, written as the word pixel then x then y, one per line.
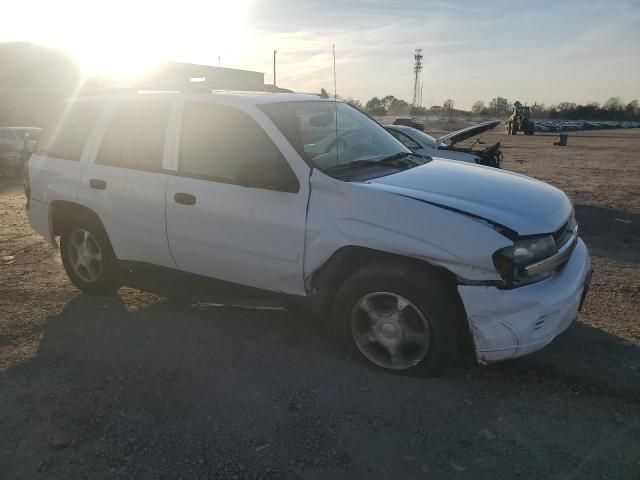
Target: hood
pixel 460 135
pixel 523 204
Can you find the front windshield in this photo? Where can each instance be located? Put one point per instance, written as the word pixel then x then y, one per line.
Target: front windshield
pixel 425 138
pixel 332 134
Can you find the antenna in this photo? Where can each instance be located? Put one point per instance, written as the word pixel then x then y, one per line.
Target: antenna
pixel 335 105
pixel 335 88
pixel 417 68
pixel 274 67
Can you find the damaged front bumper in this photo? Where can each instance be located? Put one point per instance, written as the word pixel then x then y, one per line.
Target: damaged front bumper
pixel 512 323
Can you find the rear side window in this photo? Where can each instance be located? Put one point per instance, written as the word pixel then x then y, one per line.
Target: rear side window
pixel 67 134
pixel 223 144
pixel 135 136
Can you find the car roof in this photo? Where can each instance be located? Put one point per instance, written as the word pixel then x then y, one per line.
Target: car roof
pixel 249 97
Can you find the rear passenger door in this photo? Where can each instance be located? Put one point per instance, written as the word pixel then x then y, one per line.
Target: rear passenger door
pixel 236 209
pixel 124 182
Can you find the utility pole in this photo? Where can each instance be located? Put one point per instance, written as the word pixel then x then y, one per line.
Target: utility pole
pixel 274 67
pixel 218 60
pixel 417 68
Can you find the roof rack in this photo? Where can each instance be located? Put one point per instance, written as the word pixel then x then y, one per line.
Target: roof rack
pixel 183 87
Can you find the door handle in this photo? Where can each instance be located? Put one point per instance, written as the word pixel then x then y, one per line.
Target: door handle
pixel 97 184
pixel 185 198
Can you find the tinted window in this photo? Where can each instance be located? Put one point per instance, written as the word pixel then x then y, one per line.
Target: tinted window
pixel 223 144
pixel 67 134
pixel 135 136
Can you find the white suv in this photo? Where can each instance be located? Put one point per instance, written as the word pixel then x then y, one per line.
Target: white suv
pixel 310 198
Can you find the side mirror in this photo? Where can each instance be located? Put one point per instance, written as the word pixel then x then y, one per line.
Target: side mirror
pixel 267 174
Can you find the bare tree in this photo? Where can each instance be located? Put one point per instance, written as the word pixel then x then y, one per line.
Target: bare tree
pixel 499 106
pixel 478 108
pixel 614 104
pixel 448 104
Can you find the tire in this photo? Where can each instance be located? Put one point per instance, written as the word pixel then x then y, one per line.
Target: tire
pixel 88 257
pixel 431 317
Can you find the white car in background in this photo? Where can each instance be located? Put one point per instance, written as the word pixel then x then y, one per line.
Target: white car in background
pixel 308 199
pixel 445 146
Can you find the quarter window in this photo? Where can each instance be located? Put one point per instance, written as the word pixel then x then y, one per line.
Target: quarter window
pixel 223 144
pixel 67 135
pixel 135 136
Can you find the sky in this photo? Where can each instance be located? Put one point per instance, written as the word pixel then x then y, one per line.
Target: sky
pixel 540 51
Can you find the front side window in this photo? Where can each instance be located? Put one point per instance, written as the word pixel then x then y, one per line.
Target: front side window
pixel 332 134
pixel 135 136
pixel 67 134
pixel 223 144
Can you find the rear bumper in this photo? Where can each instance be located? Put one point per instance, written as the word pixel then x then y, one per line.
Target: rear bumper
pixel 512 323
pixel 38 214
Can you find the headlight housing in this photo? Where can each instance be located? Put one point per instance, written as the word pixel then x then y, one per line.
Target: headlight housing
pixel 510 261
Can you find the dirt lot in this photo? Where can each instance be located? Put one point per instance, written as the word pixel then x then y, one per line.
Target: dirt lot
pixel 139 386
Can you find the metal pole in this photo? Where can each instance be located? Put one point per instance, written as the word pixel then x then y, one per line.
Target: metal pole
pixel 274 67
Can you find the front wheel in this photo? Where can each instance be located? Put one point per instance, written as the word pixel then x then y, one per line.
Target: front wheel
pixel 88 257
pixel 401 318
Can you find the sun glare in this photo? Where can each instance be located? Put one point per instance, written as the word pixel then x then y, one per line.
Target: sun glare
pixel 124 37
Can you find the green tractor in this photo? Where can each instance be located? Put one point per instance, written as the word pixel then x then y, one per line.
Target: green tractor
pixel 521 120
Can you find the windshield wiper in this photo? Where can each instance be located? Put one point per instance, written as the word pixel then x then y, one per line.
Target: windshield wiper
pixel 397 160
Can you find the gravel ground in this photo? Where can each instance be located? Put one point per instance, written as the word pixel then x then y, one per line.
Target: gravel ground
pixel 141 386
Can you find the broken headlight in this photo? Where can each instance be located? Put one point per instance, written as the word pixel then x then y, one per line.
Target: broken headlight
pixel 510 261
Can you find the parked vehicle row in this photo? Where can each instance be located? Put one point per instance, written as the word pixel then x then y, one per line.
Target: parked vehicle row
pixel 569 125
pixel 309 199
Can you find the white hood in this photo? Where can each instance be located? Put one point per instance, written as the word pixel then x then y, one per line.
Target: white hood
pixel 523 204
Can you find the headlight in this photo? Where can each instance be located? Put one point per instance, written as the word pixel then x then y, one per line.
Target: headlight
pixel 510 261
pixel 533 249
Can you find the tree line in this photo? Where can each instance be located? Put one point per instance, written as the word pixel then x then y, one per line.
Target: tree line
pixel 613 109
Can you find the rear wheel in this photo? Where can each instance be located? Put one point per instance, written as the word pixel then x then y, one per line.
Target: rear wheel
pixel 88 257
pixel 400 318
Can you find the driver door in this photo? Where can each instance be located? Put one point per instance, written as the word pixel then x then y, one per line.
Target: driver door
pixel 236 211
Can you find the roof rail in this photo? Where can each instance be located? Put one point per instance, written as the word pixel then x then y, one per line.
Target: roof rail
pixel 183 87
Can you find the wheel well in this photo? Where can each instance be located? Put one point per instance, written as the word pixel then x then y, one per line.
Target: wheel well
pixel 347 260
pixel 64 214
